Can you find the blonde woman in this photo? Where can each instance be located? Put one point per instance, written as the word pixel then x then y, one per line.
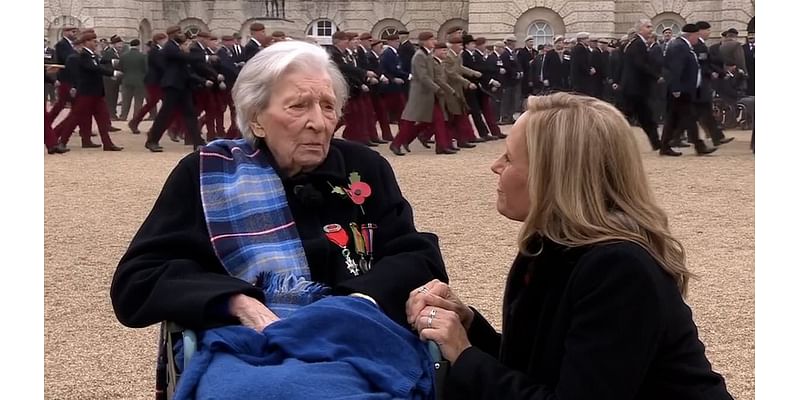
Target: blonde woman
pixel 593 306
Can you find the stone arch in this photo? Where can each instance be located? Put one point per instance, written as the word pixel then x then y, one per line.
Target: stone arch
pixel 386 25
pixel 145 31
pixel 193 25
pixel 751 26
pixel 57 24
pixel 451 23
pixel 535 17
pixel 668 20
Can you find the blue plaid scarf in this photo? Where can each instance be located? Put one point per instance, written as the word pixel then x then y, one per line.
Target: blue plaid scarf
pixel 251 226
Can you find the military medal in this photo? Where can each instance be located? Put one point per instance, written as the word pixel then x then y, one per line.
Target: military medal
pixel 368 235
pixel 339 237
pixel 358 243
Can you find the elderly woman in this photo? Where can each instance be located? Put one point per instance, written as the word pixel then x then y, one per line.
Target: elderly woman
pixel 593 307
pixel 246 231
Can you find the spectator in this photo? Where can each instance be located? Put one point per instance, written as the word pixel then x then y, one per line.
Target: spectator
pixel 134 65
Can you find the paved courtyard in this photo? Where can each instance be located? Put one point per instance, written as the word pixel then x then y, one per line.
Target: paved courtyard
pixel 95 201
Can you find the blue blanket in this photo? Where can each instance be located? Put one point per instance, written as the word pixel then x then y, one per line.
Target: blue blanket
pixel 336 348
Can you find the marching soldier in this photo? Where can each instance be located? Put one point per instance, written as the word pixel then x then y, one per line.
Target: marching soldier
pixel 456 104
pixel 377 94
pixel 64 82
pixel 256 41
pixel 112 52
pixel 553 77
pixel 352 120
pixel 637 75
pixel 152 81
pixel 510 101
pixel 394 94
pixel 204 95
pixel 176 83
pixel 422 108
pixel 72 65
pixel 89 99
pixel 490 87
pixel 50 139
pixel 469 61
pixel 702 103
pixel 133 65
pixel 367 111
pixel 228 67
pixel 406 52
pixel 581 69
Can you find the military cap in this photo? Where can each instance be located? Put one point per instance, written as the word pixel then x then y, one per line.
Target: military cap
pixel 425 35
pixel 467 39
pixel 257 27
pixel 173 29
pixel 690 28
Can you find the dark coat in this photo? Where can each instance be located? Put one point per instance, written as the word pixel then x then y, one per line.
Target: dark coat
pixel 683 67
pixel 731 87
pixel 512 69
pixel 493 64
pixel 49 55
pixel 553 71
pixel 750 62
pixel 250 50
pixel 63 50
pixel 524 59
pixel 91 70
pixel 406 52
pixel 637 72
pixel 595 322
pixel 155 66
pixel 355 76
pixel 392 68
pixel 227 66
pixel 134 65
pixel 600 63
pixel 171 272
pixel 579 69
pixel 535 74
pixel 178 73
pixel 706 94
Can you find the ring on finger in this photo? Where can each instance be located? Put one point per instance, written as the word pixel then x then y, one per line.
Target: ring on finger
pixel 422 290
pixel 430 322
pixel 432 314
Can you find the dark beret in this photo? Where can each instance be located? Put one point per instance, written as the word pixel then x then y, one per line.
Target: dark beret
pixel 173 29
pixel 480 40
pixel 278 34
pixel 135 42
pixel 393 37
pixel 467 39
pixel 454 29
pixel 159 36
pixel 703 25
pixel 425 35
pixel 228 38
pixel 257 27
pixel 374 42
pixel 365 36
pixel 440 45
pixel 204 34
pixel 666 29
pixel 733 31
pixel 340 35
pixel 690 28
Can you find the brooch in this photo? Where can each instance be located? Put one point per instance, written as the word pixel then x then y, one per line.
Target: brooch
pixel 357 190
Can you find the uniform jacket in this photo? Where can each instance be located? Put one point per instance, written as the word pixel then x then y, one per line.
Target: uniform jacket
pixel 91 70
pixel 553 71
pixel 495 63
pixel 134 65
pixel 701 50
pixel 510 63
pixel 227 66
pixel 172 252
pixel 178 73
pixel 750 62
pixel 421 93
pixel 456 78
pixel 601 322
pixel 731 51
pixel 250 49
pixel 447 93
pixel 525 57
pixel 392 68
pixel 637 72
pixel 63 50
pixel 477 62
pixel 406 52
pixel 155 66
pixel 355 76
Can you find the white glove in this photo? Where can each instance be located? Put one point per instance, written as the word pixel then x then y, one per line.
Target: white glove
pixel 546 82
pixel 398 81
pixel 472 86
pixel 384 79
pixel 592 71
pixel 494 89
pixel 714 75
pixel 530 84
pixel 502 71
pixel 220 77
pixel 494 83
pixel 409 76
pixel 364 88
pixel 660 79
pixel 117 74
pixel 209 84
pixel 222 86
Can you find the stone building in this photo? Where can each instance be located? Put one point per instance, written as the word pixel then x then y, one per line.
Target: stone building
pixel 493 19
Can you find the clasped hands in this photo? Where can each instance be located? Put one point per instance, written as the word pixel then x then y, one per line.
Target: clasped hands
pixel 437 314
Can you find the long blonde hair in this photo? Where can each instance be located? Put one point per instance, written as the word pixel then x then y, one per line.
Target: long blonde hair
pixel 587 184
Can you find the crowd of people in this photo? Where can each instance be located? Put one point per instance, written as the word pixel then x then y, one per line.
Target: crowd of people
pixel 430 89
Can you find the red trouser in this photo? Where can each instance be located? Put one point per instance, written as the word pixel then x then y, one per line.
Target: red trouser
pixel 61 101
pixel 368 115
pixel 154 95
pixel 378 104
pixel 461 128
pixel 226 100
pixel 50 138
pixel 394 103
pixel 87 107
pixel 354 128
pixel 488 115
pixel 409 130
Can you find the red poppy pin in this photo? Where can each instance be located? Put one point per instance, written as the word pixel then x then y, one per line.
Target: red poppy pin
pixel 357 191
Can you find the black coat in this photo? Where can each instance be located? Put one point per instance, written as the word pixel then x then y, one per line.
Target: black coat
pixel 595 322
pixel 62 51
pixel 600 63
pixel 637 72
pixel 250 50
pixel 580 64
pixel 525 58
pixel 227 66
pixel 170 271
pixel 701 50
pixel 683 66
pixel 355 76
pixel 91 70
pixel 392 68
pixel 512 67
pixel 750 62
pixel 406 52
pixel 553 71
pixel 155 66
pixel 493 64
pixel 178 72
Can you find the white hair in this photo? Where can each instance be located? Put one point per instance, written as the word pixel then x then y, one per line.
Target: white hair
pixel 641 22
pixel 253 87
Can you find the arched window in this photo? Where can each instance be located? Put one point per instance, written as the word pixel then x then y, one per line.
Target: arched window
pixel 388 32
pixel 671 24
pixel 191 31
pixel 322 31
pixel 192 26
pixel 541 31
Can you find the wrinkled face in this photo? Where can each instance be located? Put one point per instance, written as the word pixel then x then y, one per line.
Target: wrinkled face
pixel 529 44
pixel 667 36
pixel 646 29
pixel 470 46
pixel 297 124
pixel 559 46
pixel 71 34
pixel 119 46
pixel 513 200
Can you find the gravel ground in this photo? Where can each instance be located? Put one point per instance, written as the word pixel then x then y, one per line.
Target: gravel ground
pixel 95 201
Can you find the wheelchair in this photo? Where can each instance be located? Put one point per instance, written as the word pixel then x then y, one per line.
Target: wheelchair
pixel 177 345
pixel 731 116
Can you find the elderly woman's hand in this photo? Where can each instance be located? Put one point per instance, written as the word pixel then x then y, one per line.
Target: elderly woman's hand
pixel 443 327
pixel 251 312
pixel 437 294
